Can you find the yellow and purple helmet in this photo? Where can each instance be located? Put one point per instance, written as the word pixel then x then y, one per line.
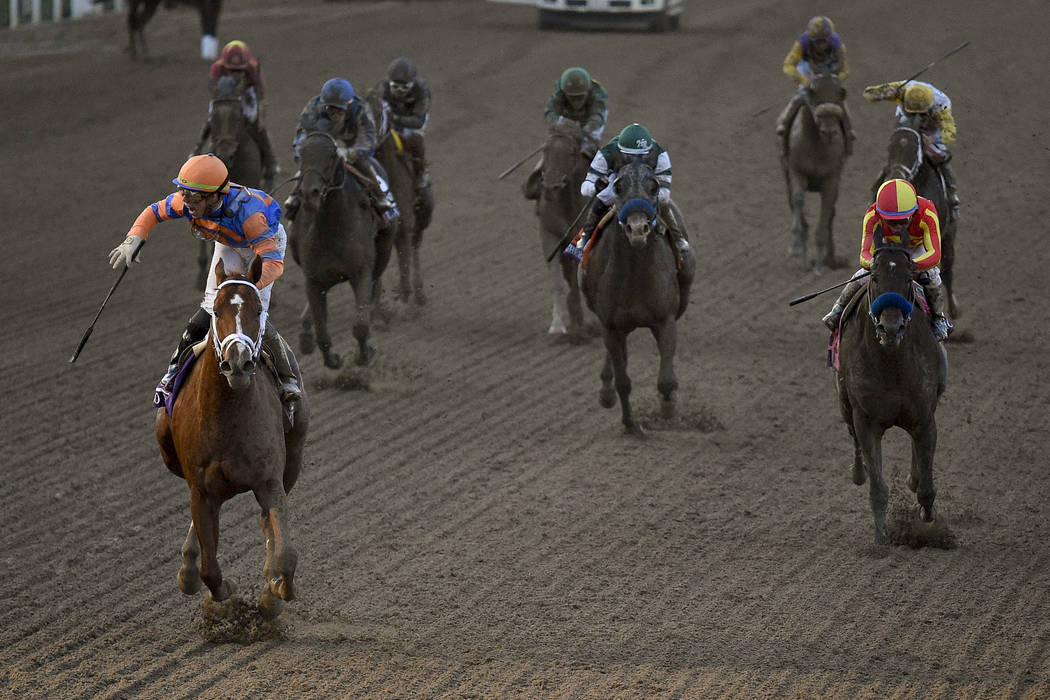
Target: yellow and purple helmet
pixel 896 199
pixel 918 98
pixel 820 27
pixel 206 174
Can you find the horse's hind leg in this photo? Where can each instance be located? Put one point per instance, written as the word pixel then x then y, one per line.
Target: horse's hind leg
pixel 799 226
pixel 923 447
pixel 559 296
pixel 666 382
pixel 363 323
pixel 417 269
pixel 607 394
pixel 824 236
pixel 206 522
pixel 190 574
pixel 404 267
pixel 948 269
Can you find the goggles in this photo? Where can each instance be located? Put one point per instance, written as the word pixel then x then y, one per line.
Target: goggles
pixel 401 89
pixel 896 224
pixel 193 196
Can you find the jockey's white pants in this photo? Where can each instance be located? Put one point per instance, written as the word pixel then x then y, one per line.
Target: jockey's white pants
pixel 238 260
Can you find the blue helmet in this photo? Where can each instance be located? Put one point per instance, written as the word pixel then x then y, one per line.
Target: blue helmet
pixel 337 92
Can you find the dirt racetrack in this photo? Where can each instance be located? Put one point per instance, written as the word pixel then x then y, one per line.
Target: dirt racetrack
pixel 473 524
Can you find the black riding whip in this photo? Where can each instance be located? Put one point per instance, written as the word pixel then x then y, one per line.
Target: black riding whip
pixel 87 333
pixel 840 284
pixel 517 165
pixel 931 64
pixel 568 233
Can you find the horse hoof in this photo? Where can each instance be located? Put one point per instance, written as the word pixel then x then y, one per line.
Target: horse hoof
pixel 333 361
pixel 634 429
pixel 306 344
pixel 270 606
pixel 607 398
pixel 557 328
pixel 366 359
pixel 928 514
pixel 226 589
pixel 668 409
pixel 282 587
pixel 189 583
pixel 859 475
pixel 421 298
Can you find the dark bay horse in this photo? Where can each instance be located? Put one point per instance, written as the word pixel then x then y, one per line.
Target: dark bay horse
pixel 226 436
pixel 335 238
pixel 905 159
pixel 229 139
pixel 396 159
pixel 892 373
pixel 631 281
pixel 140 12
pixel 564 168
pixel 816 155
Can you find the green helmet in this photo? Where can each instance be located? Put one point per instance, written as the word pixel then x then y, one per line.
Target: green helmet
pixel 575 81
pixel 635 140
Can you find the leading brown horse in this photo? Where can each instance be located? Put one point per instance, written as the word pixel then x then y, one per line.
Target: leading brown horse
pixel 226 435
pixel 892 373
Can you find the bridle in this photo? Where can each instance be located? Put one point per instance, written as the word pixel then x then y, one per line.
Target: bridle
pixel 908 173
pixel 339 171
pixel 253 345
pixel 888 299
pixel 564 180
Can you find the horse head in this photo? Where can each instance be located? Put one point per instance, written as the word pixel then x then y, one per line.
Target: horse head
pixel 826 97
pixel 890 292
pixel 320 167
pixel 561 159
pixel 226 118
pixel 237 323
pixel 904 154
pixel 637 198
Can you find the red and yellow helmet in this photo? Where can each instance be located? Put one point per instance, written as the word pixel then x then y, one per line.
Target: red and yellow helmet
pixel 204 174
pixel 235 55
pixel 896 199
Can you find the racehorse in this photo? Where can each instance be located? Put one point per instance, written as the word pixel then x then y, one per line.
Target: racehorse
pixel 815 157
pixel 226 435
pixel 891 373
pixel 629 279
pixel 560 201
pixel 396 159
pixel 141 11
pixel 905 160
pixel 230 140
pixel 334 239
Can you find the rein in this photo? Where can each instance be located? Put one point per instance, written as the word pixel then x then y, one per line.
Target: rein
pixel 253 344
pixel 909 173
pixel 341 171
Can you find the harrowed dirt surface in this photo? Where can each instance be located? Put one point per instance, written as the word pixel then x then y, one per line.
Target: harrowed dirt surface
pixel 469 521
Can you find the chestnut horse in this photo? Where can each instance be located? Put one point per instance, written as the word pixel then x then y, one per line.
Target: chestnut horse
pixel 226 435
pixel 891 373
pixel 631 281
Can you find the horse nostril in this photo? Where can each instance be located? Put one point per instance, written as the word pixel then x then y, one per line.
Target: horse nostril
pixel 249 367
pixel 225 367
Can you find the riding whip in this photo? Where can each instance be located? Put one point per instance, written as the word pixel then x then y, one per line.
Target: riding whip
pixel 87 333
pixel 517 165
pixel 957 49
pixel 840 284
pixel 568 233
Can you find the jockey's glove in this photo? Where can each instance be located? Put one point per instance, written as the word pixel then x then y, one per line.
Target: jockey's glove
pixel 587 188
pixel 348 155
pixel 127 252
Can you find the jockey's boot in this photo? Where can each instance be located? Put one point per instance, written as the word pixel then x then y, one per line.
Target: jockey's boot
pixel 595 209
pixel 831 320
pixel 948 173
pixel 196 330
pixel 784 121
pixel 676 231
pixel 269 160
pixel 279 352
pixel 533 184
pixel 938 303
pixel 384 200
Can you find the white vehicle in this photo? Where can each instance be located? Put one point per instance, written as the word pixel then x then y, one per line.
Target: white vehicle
pixel 655 15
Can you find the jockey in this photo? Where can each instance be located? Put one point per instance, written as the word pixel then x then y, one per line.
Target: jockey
pixel 898 209
pixel 408 99
pixel 243 223
pixel 818 51
pixel 346 117
pixel 236 61
pixel 938 126
pixel 578 100
pixel 632 144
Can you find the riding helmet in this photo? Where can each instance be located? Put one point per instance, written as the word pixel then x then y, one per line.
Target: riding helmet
pixel 575 81
pixel 918 98
pixel 896 199
pixel 635 140
pixel 337 92
pixel 204 174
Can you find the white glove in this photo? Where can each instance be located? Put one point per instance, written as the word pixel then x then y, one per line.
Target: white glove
pixel 587 188
pixel 664 195
pixel 126 252
pixel 341 150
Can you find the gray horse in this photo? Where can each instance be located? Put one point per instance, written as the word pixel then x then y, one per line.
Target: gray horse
pixel 630 280
pixel 564 167
pixel 905 159
pixel 335 238
pixel 815 157
pixel 891 373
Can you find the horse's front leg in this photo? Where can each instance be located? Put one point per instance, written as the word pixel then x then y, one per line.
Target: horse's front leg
pixel 417 269
pixel 559 296
pixel 317 298
pixel 797 197
pixel 847 416
pixel 616 345
pixel 923 447
pixel 363 322
pixel 281 557
pixel 206 522
pixel 190 574
pixel 404 262
pixel 666 335
pixel 824 236
pixel 869 437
